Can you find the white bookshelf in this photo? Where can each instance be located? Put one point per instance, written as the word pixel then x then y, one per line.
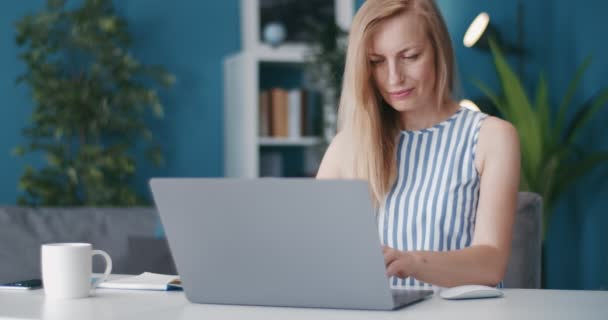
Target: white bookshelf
pixel 282 54
pixel 242 142
pixel 250 20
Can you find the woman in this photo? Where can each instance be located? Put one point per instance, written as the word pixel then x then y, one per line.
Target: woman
pixel 444 179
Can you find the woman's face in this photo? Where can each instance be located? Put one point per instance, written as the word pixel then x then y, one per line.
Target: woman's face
pixel 402 62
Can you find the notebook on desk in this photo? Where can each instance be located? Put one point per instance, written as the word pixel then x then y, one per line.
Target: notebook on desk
pixel 277 242
pixel 145 281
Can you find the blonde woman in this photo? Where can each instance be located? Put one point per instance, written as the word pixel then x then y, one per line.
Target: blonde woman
pixel 444 179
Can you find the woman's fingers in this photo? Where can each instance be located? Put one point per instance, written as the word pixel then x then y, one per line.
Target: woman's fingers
pixel 393 270
pixel 395 263
pixel 390 255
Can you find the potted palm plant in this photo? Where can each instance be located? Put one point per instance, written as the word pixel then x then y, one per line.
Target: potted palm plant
pixel 552 161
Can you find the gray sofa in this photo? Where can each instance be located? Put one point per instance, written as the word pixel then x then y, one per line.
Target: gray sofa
pixel 128 235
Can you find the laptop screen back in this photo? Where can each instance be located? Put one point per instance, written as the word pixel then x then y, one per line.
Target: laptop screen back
pixel 279 242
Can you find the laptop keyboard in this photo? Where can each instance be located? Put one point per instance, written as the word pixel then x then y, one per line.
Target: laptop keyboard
pixel 403 297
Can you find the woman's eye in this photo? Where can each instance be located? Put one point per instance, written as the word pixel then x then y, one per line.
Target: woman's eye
pixel 411 56
pixel 375 62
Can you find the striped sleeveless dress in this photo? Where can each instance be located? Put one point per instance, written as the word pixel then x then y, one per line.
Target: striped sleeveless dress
pixel 433 202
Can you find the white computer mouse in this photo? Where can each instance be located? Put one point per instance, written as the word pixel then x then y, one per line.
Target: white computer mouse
pixel 470 292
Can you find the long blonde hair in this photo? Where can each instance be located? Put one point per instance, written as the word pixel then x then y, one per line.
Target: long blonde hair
pixel 364 118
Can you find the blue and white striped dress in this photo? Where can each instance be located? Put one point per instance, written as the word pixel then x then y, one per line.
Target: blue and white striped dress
pixel 433 203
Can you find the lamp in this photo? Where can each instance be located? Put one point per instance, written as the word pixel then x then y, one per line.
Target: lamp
pixel 480 32
pixel 469 104
pixel 476 30
pixel 478 36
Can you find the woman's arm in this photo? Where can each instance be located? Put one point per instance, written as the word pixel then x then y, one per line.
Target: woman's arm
pixel 485 261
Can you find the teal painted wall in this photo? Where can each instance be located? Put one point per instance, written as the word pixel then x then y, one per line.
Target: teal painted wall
pixel 558 36
pixel 15 107
pixel 577 245
pixel 191 38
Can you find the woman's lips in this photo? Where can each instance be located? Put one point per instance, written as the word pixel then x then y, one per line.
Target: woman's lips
pixel 401 93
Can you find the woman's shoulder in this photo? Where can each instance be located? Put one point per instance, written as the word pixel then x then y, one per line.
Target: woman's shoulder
pixel 497 138
pixel 333 164
pixel 493 128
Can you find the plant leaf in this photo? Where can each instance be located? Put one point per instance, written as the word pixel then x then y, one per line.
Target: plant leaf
pixel 584 115
pixel 561 115
pixel 542 111
pixel 55 4
pixel 571 172
pixel 521 115
pixel 492 96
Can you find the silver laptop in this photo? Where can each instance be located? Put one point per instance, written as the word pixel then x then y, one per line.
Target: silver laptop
pixel 277 242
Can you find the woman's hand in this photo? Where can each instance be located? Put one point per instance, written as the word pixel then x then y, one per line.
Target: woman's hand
pixel 398 263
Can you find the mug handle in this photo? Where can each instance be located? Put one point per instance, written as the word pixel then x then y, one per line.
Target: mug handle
pixel 106 273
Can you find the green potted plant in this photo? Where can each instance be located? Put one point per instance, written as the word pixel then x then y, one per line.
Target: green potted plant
pixel 90 100
pixel 552 161
pixel 325 68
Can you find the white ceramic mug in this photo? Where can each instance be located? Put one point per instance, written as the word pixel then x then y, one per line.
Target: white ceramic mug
pixel 67 267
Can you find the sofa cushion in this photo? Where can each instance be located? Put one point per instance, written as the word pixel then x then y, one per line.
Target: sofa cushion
pixel 153 255
pixel 23 230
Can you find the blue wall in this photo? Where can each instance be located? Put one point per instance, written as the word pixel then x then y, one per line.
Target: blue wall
pixel 558 36
pixel 15 107
pixel 192 37
pixel 577 245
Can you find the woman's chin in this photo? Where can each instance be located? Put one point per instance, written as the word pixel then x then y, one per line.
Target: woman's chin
pixel 403 106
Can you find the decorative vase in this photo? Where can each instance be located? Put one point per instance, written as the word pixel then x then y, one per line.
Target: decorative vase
pixel 274 33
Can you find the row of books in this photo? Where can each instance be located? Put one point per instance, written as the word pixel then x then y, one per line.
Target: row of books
pixel 290 113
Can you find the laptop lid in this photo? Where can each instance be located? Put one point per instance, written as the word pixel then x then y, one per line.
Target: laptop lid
pixel 275 242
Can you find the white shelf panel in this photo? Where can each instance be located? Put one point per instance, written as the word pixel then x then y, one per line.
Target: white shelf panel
pixel 294 142
pixel 285 53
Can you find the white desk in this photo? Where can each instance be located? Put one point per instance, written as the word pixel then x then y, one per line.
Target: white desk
pixel 517 304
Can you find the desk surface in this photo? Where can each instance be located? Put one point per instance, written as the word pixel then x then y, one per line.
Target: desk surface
pixel 519 304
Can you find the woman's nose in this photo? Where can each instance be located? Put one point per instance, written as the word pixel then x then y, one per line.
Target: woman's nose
pixel 395 74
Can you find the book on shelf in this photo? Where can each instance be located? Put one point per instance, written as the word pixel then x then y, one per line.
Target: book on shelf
pixel 293 113
pixel 279 112
pixel 314 118
pixel 271 164
pixel 303 112
pixel 264 114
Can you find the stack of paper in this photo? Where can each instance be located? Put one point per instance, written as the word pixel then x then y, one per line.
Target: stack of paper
pixel 145 281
